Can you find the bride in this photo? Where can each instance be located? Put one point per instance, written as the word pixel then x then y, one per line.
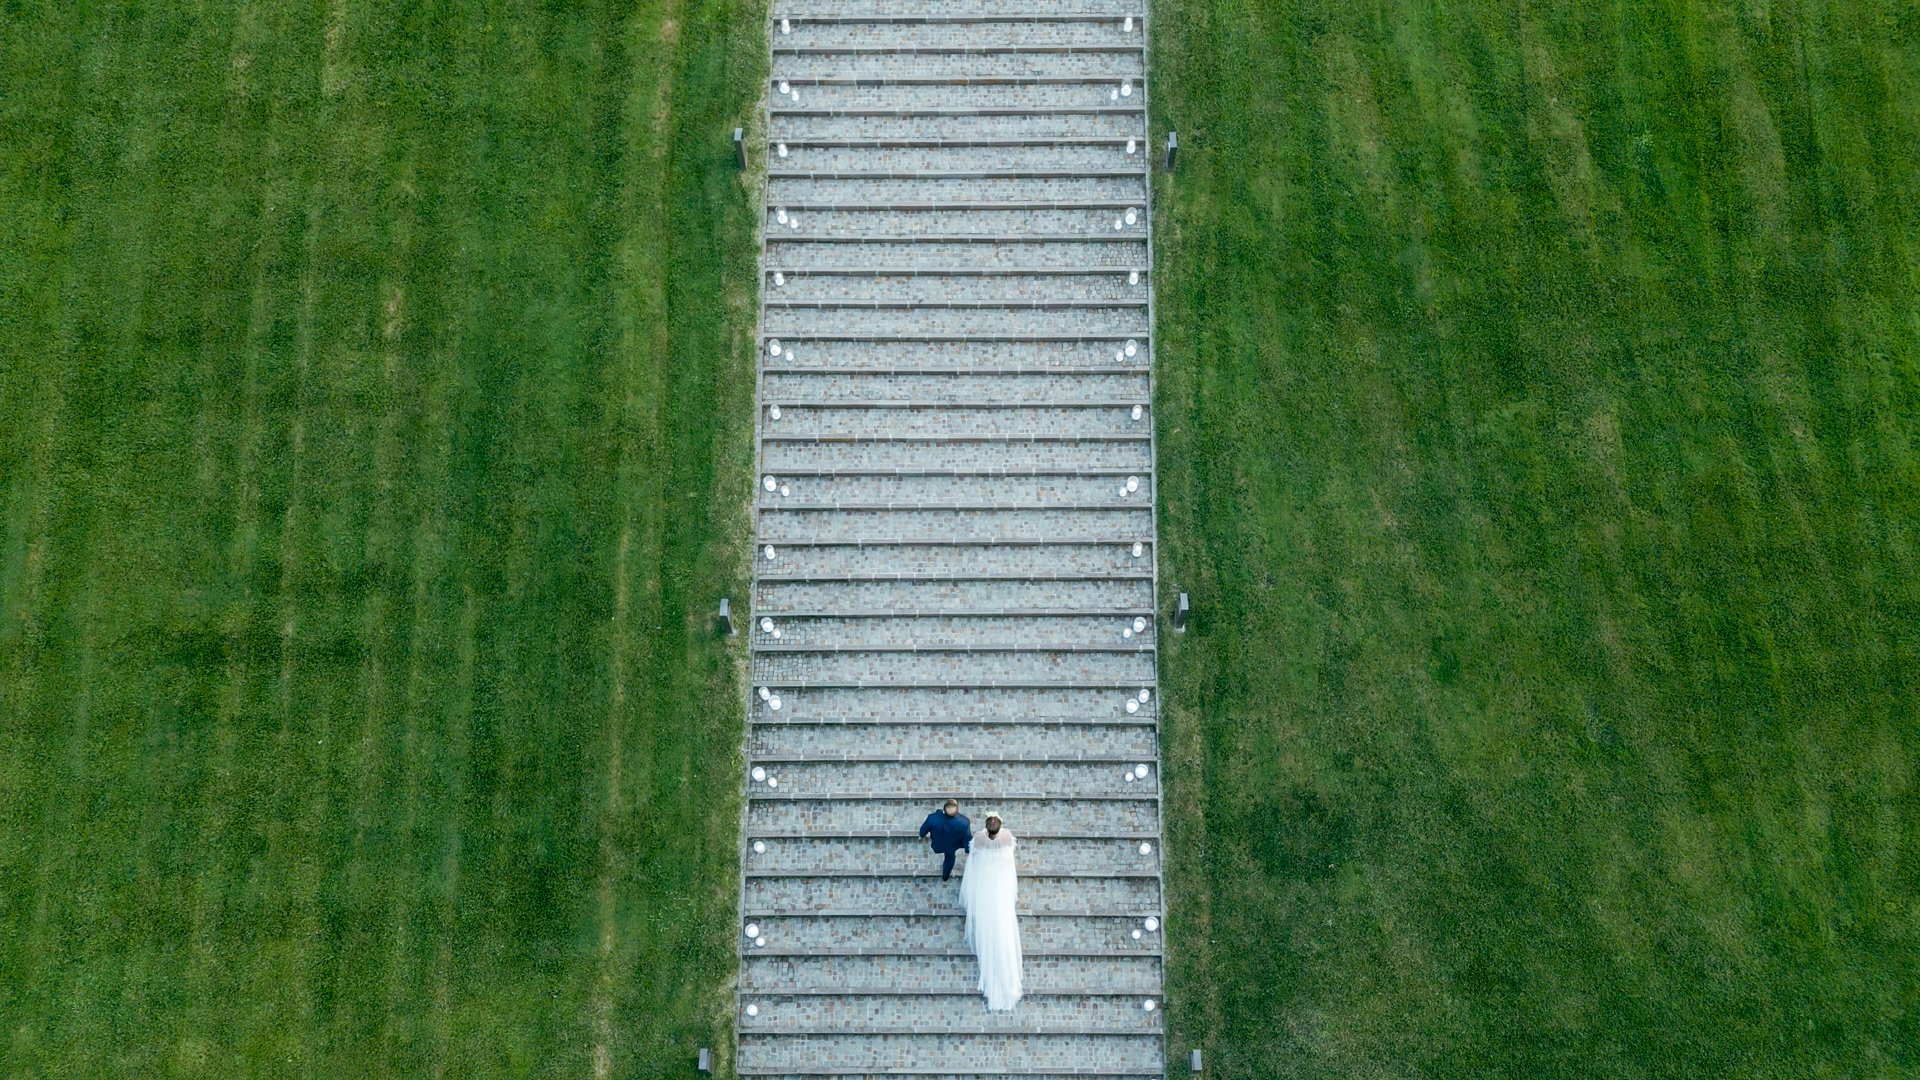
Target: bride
pixel 987 891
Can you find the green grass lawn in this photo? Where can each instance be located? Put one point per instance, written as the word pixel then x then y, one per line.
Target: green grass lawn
pixel 1540 435
pixel 375 410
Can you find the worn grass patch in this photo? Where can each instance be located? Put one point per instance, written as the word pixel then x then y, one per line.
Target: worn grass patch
pixel 1537 415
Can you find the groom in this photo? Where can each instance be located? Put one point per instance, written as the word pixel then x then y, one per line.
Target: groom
pixel 950 831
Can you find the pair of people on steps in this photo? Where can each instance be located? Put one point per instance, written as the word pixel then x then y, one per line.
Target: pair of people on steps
pixel 988 889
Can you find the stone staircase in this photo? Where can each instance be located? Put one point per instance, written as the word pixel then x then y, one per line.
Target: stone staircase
pixel 954 589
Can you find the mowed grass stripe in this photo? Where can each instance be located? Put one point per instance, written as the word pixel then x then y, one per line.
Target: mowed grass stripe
pixel 1537 431
pixel 357 619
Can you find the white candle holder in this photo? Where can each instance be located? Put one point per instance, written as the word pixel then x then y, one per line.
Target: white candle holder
pixel 1131 147
pixel 759 774
pixel 773 346
pixel 1139 625
pixel 770 483
pixel 753 930
pixel 1139 549
pixel 1140 771
pixel 766 625
pixel 753 1010
pixel 1152 923
pixel 769 553
pixel 1146 848
pixel 1132 706
pixel 759 847
pixel 766 694
pixel 773 412
pixel 1145 695
pixel 1132 346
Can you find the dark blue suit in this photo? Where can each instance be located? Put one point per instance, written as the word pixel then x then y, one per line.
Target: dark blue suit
pixel 949 835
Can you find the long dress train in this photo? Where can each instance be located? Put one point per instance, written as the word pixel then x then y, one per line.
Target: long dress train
pixel 987 892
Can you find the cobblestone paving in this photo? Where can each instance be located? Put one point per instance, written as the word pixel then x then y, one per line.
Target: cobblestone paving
pixel 954 530
pixel 922 739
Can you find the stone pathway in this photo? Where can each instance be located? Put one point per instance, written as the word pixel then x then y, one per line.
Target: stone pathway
pixel 954 589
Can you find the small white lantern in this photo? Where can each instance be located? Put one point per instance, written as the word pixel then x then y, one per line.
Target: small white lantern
pixel 768 552
pixel 774 704
pixel 1123 491
pixel 759 774
pixel 753 930
pixel 780 149
pixel 760 847
pixel 796 97
pixel 753 1010
pixel 1132 346
pixel 1146 848
pixel 1113 95
pixel 1131 146
pixel 1133 483
pixel 785 490
pixel 1125 634
pixel 1126 88
pixel 1145 696
pixel 1139 625
pixel 770 484
pixel 780 214
pixel 766 625
pixel 766 694
pixel 1136 935
pixel 761 943
pixel 1149 1005
pixel 1138 412
pixel 1129 776
pixel 1119 223
pixel 1139 549
pixel 1133 277
pixel 779 277
pixel 1152 924
pixel 1126 25
pixel 1132 215
pixel 786 26
pixel 773 412
pixel 773 346
pixel 784 87
pixel 1132 706
pixel 773 781
pixel 776 633
pixel 793 221
pixel 1140 771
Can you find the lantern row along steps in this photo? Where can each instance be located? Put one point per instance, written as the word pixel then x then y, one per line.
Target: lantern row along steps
pixel 955 590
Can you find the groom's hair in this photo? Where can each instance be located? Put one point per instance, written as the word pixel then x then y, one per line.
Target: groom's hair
pixel 950 802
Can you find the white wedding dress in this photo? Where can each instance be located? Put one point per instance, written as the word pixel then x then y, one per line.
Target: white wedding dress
pixel 987 891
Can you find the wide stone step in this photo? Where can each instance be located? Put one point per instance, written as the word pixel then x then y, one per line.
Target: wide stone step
pixel 976 355
pixel 933 289
pixel 920 9
pixel 1012 35
pixel 1135 897
pixel 935 934
pixel 1010 224
pixel 803 191
pixel 878 814
pixel 954 739
pixel 777 527
pixel 958 66
pixel 958 560
pixel 913 856
pixel 1025 97
pixel 1033 388
pixel 968 667
pixel 1110 321
pixel 938 1013
pixel 1060 779
pixel 1042 158
pixel 1010 456
pixel 951 597
pixel 957 422
pixel 796 256
pixel 950 632
pixel 940 704
pixel 807 125
pixel 961 667
pixel 1013 492
pixel 921 1053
